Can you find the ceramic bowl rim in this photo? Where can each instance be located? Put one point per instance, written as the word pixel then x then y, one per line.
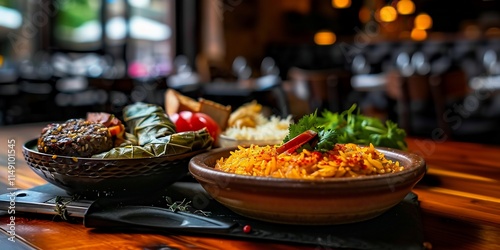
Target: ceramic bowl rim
pixel 199 168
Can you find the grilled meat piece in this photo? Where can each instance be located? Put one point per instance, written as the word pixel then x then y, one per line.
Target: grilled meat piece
pixel 75 137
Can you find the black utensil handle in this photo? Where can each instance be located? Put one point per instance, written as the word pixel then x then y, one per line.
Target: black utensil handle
pixel 148 217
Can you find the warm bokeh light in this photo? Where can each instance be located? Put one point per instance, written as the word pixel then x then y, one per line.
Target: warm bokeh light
pixel 418 34
pixel 423 21
pixel 365 15
pixel 325 37
pixel 1 60
pixel 341 4
pixel 405 7
pixel 388 14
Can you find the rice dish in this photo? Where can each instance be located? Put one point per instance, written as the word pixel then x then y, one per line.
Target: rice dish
pixel 344 160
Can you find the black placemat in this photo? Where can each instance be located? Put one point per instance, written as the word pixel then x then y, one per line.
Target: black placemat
pixel 399 228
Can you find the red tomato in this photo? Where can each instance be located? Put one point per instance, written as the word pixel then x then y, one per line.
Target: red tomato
pixel 189 121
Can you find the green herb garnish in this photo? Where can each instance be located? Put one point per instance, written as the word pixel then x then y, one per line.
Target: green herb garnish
pixel 349 127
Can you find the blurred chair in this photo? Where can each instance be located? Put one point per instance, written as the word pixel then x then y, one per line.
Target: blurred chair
pixel 339 90
pixel 465 54
pixel 9 91
pixel 203 68
pixel 414 103
pixel 183 73
pixel 271 93
pixel 320 89
pixel 241 69
pixel 268 67
pixel 458 109
pixel 185 79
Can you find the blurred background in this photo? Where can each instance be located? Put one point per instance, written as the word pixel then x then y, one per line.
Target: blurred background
pixel 431 66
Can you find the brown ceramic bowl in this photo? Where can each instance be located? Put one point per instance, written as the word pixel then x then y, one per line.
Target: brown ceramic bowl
pixel 308 202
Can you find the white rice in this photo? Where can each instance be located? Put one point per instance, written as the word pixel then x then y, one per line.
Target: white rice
pixel 272 128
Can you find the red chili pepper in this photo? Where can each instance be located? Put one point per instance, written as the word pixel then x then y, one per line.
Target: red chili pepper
pixel 297 142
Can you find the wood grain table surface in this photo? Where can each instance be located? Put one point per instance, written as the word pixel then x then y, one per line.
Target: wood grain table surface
pixel 459 200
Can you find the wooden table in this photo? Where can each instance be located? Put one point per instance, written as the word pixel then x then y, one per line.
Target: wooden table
pixel 459 198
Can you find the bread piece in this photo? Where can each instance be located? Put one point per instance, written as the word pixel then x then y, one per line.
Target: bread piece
pixel 217 111
pixel 176 102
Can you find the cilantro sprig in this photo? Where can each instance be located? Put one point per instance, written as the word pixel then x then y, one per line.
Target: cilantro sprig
pixel 349 126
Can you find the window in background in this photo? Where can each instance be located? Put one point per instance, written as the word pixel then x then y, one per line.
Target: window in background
pixel 11 17
pixel 78 26
pixel 116 22
pixel 150 50
pixel 10 21
pixel 139 32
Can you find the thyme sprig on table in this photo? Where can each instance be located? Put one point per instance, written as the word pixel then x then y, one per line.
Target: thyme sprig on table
pixel 185 206
pixel 181 206
pixel 61 206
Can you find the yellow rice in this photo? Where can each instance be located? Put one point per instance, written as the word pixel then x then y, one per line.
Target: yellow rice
pixel 344 160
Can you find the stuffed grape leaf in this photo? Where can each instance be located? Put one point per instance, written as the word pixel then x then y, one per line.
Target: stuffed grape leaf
pixel 147 122
pixel 153 134
pixel 178 143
